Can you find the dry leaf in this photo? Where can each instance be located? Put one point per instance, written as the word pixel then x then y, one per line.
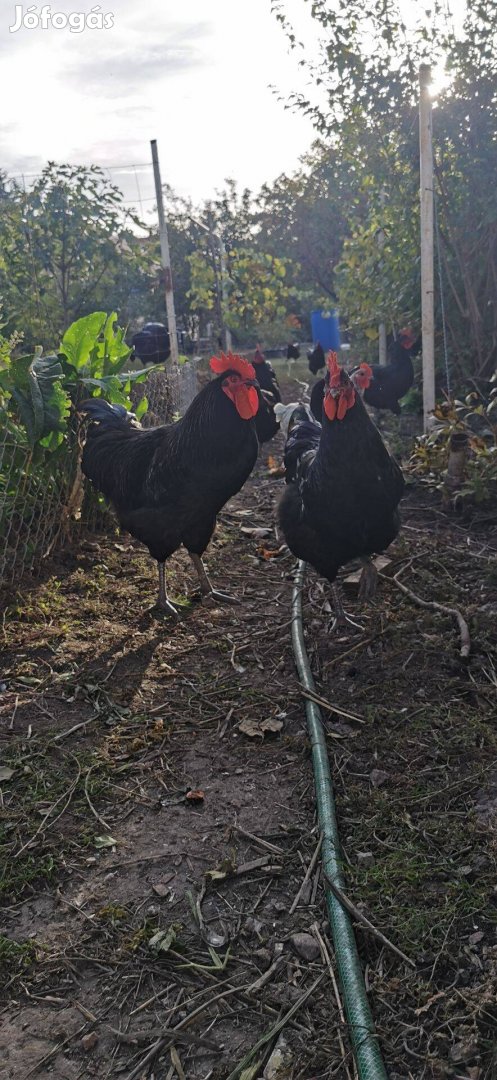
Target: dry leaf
pixel 6 773
pixel 195 796
pixel 256 533
pixel 255 729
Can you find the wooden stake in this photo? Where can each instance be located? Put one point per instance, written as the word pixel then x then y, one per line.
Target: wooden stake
pixel 427 285
pixel 165 260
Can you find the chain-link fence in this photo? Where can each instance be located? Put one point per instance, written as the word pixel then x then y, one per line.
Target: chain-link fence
pixel 44 499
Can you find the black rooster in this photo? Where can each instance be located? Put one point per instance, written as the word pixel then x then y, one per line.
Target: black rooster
pixel 266 423
pixel 343 487
pixel 316 359
pixel 389 383
pixel 167 484
pixel 292 351
pixel 151 344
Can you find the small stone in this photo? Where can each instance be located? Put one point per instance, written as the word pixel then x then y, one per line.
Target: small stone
pixel 464 1051
pixel 365 858
pixel 88 1042
pixel 378 777
pixel 253 926
pixel 263 958
pixel 305 946
pixel 474 939
pixel 279 1066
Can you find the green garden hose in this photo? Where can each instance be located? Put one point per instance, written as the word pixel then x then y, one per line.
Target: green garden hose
pixel 364 1039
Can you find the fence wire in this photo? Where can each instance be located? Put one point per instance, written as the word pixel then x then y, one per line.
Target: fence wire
pixel 45 502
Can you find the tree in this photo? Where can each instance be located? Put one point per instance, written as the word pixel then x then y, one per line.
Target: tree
pixel 367 75
pixel 68 246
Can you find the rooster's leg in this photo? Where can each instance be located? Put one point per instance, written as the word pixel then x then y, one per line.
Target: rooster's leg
pixel 205 586
pixel 163 602
pixel 341 620
pixel 369 579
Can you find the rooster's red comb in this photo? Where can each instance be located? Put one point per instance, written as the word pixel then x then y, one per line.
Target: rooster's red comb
pixel 232 362
pixel 333 368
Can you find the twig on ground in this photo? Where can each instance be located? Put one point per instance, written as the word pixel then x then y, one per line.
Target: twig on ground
pixel 307 875
pixel 358 645
pixel 352 910
pixel 327 959
pixel 258 840
pixel 435 606
pixel 11 725
pixel 71 730
pixel 45 824
pixel 272 1031
pixel 90 804
pixel 259 983
pixel 332 708
pixel 177 1063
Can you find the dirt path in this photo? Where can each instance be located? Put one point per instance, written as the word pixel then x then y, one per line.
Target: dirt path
pixel 112 720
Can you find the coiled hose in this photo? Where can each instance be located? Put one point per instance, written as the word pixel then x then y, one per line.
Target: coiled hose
pixel 364 1039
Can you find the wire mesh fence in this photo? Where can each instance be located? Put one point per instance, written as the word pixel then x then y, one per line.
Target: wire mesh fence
pixel 44 499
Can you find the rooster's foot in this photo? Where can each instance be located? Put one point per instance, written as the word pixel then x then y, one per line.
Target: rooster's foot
pixel 369 580
pixel 212 598
pixel 341 620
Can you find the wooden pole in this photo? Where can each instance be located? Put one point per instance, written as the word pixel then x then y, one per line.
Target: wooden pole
pixel 427 280
pixel 165 260
pixel 224 293
pixel 382 330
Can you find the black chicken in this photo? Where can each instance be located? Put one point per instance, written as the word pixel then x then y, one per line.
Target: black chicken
pixel 388 383
pixel 266 423
pixel 293 351
pixel 391 382
pixel 343 487
pixel 167 484
pixel 151 344
pixel 316 359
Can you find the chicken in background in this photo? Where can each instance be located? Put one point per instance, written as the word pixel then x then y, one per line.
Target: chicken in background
pixel 293 351
pixel 316 359
pixel 167 484
pixel 343 487
pixel 389 383
pixel 151 344
pixel 266 423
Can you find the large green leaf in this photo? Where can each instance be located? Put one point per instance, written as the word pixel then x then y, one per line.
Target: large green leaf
pixel 42 402
pixel 80 339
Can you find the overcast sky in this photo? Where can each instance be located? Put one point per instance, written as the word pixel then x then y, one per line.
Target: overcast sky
pixel 194 74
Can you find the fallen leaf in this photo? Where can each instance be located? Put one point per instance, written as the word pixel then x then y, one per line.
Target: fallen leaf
pixel 163 939
pixel 226 869
pixel 161 888
pixel 257 730
pixel 104 841
pixel 5 772
pixel 256 533
pixel 266 553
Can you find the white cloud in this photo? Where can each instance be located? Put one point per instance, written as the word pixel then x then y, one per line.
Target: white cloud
pixel 194 76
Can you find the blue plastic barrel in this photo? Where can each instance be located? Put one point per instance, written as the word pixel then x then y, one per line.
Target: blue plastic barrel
pixel 324 325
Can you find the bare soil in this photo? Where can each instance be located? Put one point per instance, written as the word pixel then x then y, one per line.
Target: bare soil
pixel 161 781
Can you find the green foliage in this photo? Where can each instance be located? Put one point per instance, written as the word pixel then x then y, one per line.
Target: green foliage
pixel 476 417
pixel 68 246
pixel 367 72
pixel 94 354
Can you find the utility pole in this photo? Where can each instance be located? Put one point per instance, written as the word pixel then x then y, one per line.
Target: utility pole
pixel 427 277
pixel 165 260
pixel 382 330
pixel 224 293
